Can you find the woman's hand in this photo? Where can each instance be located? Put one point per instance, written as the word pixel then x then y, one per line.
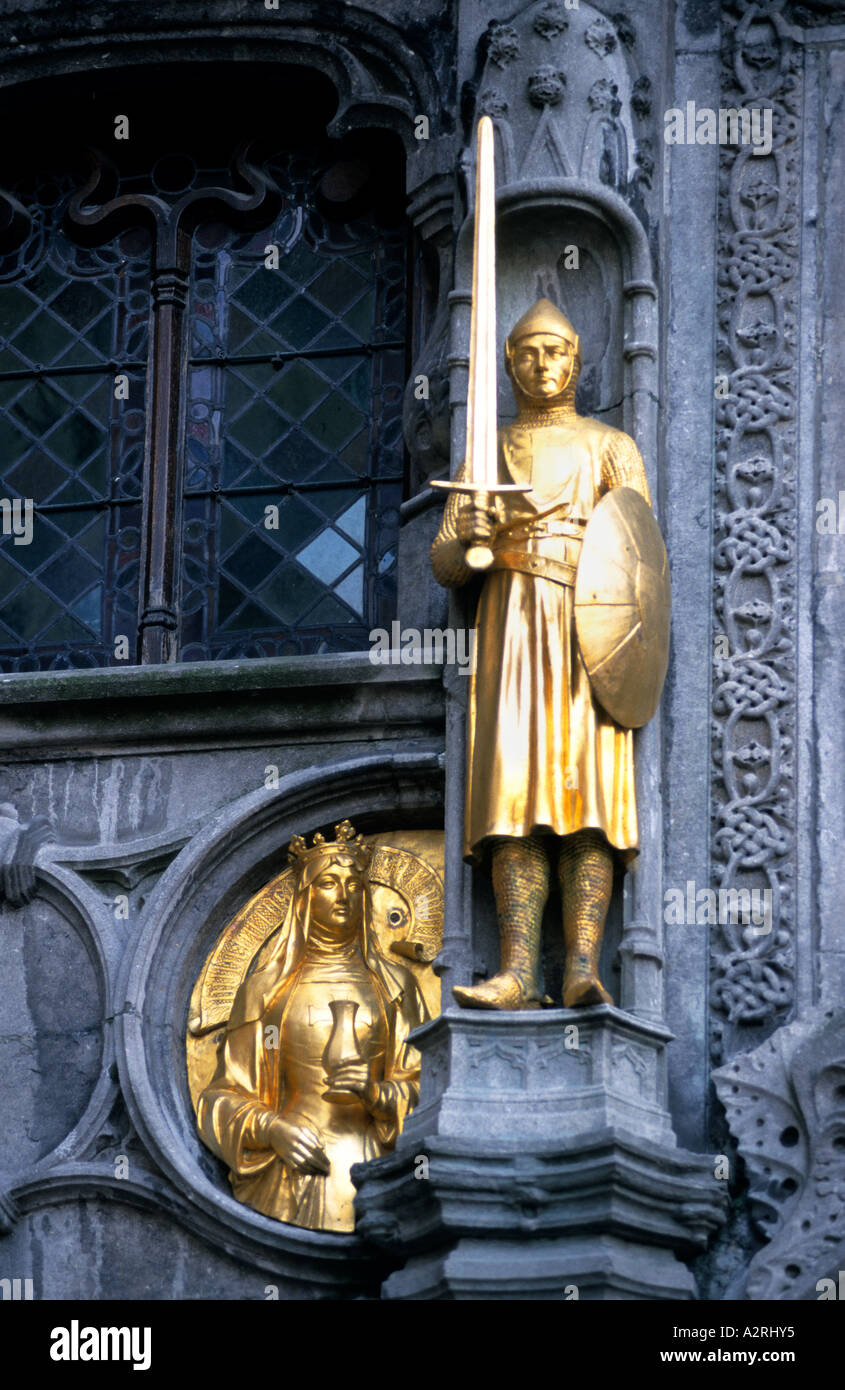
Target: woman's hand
pixel 298 1144
pixel 354 1077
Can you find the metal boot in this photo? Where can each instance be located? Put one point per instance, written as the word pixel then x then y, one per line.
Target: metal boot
pixel 585 870
pixel 521 884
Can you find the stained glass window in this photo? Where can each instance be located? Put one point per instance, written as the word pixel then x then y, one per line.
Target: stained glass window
pixel 71 446
pixel 294 444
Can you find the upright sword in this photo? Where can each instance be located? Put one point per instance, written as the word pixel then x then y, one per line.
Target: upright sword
pixel 481 446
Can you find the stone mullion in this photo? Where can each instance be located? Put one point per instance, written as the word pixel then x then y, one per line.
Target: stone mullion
pixel 161 547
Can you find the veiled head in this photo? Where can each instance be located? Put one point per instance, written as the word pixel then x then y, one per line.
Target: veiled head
pixel 331 879
pixel 337 896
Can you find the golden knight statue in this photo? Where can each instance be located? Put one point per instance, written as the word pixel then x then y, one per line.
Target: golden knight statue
pixel 315 1071
pixel 572 638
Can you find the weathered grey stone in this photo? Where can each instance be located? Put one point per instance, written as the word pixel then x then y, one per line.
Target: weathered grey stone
pixel 529 1167
pixel 538 1075
pixel 158 777
pixel 785 1103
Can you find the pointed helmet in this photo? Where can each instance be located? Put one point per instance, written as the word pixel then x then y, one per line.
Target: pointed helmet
pixel 543 317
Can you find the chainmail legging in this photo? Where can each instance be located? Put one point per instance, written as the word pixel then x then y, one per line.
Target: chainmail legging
pixel 521 884
pixel 520 870
pixel 585 871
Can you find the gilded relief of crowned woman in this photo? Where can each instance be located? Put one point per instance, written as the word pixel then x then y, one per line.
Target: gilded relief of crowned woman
pixel 289 1109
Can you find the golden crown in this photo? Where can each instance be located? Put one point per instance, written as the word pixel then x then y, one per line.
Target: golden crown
pixel 345 842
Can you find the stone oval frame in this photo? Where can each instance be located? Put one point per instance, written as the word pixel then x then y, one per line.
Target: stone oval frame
pixel 197 895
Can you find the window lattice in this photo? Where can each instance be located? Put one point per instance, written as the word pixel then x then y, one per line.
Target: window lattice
pixel 292 449
pixel 295 405
pixel 69 320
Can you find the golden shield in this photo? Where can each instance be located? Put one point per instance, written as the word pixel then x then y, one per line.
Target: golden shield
pixel 406 885
pixel 623 607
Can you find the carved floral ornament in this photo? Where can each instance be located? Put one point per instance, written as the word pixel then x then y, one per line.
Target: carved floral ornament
pixel 503 45
pixel 785 1104
pixel 492 103
pixel 604 96
pixel 601 37
pixel 546 86
pixel 571 66
pixel 552 21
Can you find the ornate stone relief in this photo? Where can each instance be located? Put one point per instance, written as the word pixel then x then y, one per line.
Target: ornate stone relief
pixel 641 97
pixel 604 96
pixel 753 789
pixel 601 37
pixel 785 1103
pixel 503 44
pixel 625 30
pixel 546 86
pixel 551 22
pixel 571 67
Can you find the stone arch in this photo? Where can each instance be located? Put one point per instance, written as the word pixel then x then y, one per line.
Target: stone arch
pixel 85 913
pixel 380 78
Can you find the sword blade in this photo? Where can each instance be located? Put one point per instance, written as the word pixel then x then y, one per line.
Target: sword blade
pixel 482 470
pixel 482 467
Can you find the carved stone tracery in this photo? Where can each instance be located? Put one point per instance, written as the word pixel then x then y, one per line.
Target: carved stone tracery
pixel 754 697
pixel 785 1103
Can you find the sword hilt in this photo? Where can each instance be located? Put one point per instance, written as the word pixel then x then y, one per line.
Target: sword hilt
pixel 480 556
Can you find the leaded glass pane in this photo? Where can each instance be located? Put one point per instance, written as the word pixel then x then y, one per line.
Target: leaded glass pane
pixel 70 319
pixel 294 416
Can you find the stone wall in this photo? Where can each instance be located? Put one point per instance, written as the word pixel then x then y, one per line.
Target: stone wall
pixel 709 283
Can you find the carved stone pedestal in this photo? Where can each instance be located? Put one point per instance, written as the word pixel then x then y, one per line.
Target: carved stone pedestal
pixel 540 1163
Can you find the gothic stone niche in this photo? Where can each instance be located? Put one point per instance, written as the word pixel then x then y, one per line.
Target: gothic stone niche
pixel 568 256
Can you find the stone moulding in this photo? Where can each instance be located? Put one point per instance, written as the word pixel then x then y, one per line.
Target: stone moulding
pixel 380 78
pixel 598 1214
pixel 505 1075
pixel 125 864
pixel 341 696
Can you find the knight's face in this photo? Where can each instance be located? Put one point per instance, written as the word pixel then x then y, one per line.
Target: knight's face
pixel 542 365
pixel 337 898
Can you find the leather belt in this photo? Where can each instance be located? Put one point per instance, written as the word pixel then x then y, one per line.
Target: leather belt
pixel 559 571
pixel 542 529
